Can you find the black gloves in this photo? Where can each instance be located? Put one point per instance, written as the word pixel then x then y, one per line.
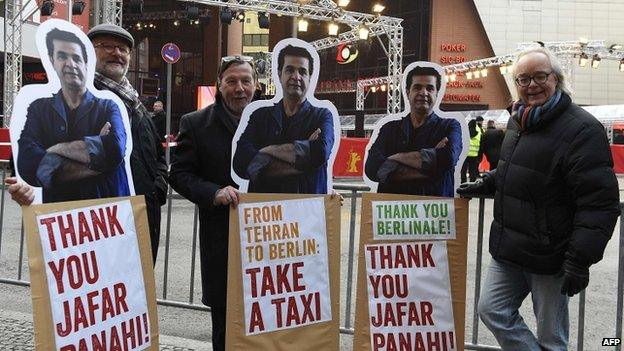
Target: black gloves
pixel 575 276
pixel 475 189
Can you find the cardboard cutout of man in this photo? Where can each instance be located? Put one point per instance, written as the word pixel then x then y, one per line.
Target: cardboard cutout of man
pixel 72 144
pixel 416 151
pixel 288 144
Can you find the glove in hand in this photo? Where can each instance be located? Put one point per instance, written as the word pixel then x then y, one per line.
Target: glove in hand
pixel 472 189
pixel 575 277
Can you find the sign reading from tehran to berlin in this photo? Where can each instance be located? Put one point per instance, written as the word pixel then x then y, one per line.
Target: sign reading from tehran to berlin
pixel 284 264
pixel 414 220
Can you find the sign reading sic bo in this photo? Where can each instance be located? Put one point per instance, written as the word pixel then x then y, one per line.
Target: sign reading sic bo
pixel 284 264
pixel 414 220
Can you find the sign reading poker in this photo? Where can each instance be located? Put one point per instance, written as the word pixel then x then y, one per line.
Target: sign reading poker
pixel 285 265
pixel 95 280
pixel 414 220
pixel 409 297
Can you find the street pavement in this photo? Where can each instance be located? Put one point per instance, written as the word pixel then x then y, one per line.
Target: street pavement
pixel 190 329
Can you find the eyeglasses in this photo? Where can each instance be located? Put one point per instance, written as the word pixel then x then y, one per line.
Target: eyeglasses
pixel 124 50
pixel 242 58
pixel 538 78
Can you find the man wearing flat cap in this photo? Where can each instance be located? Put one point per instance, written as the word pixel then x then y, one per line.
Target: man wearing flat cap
pixel 149 171
pixel 113 45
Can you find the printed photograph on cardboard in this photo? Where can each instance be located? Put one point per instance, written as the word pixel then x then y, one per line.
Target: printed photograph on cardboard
pixel 419 151
pixel 70 141
pixel 288 144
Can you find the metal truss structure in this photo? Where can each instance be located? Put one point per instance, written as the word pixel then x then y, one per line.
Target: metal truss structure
pixel 361 93
pixel 12 55
pixel 327 10
pixel 566 51
pixel 108 11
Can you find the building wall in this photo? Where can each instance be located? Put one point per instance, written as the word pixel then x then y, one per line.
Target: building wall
pixel 457 35
pixel 508 22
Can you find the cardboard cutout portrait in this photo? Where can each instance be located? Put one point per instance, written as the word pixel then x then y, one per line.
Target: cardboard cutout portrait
pixel 69 140
pixel 288 144
pixel 420 150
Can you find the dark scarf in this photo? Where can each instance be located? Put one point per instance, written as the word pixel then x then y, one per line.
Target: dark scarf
pixel 528 116
pixel 126 93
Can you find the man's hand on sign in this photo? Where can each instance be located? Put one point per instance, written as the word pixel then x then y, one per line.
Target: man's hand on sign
pixel 334 194
pixel 21 193
pixel 226 196
pixel 106 129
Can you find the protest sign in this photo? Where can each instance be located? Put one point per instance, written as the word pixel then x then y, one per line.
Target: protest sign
pixel 411 287
pixel 283 273
pixel 92 282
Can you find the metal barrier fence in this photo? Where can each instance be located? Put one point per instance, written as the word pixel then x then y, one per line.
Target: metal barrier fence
pixel 352 192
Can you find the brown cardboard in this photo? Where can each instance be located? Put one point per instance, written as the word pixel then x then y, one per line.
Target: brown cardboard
pixel 320 336
pixel 42 316
pixel 457 267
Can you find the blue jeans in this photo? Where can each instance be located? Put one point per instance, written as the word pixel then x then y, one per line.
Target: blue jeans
pixel 505 289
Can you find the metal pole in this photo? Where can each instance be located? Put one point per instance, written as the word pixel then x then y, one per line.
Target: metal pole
pixel 2 208
pixel 581 322
pixel 21 253
pixel 169 190
pixel 168 128
pixel 193 254
pixel 350 263
pixel 477 290
pixel 69 11
pixel 620 285
pixel 167 237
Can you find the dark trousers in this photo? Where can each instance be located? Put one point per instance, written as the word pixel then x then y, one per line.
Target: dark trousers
pixel 218 328
pixel 471 165
pixel 153 219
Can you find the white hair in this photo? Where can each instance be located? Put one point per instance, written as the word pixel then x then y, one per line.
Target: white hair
pixel 555 65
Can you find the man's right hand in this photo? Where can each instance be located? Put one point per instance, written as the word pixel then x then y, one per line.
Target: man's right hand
pixel 21 193
pixel 473 189
pixel 226 196
pixel 105 129
pixel 315 135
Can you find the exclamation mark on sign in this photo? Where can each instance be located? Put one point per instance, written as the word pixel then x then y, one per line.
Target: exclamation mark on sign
pixel 137 323
pixel 448 225
pixel 145 327
pixel 452 339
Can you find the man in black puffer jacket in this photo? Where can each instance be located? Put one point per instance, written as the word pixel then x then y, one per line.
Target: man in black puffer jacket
pixel 555 207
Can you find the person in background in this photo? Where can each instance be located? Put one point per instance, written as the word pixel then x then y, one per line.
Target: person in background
pixel 471 164
pixel 491 143
pixel 160 120
pixel 556 202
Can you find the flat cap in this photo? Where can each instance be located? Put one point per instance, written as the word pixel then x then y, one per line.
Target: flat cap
pixel 111 30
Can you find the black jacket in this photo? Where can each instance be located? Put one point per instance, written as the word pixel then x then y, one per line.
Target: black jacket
pixel 555 192
pixel 201 165
pixel 491 142
pixel 160 122
pixel 149 171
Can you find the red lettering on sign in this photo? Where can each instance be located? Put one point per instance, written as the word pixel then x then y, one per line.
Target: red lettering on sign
pixel 256 318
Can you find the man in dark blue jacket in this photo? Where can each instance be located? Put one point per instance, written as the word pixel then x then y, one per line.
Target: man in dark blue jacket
pixel 285 147
pixel 418 153
pixel 73 144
